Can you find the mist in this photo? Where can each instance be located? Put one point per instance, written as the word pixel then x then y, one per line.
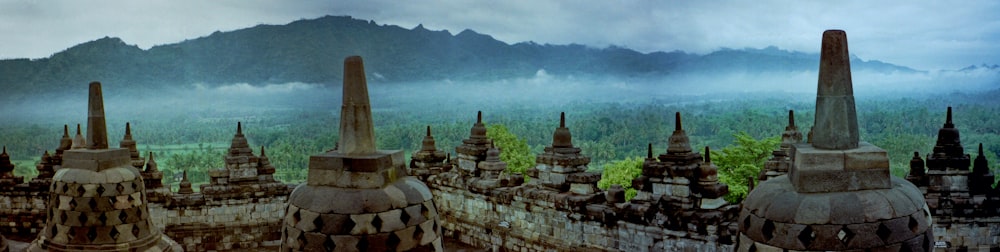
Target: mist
pixel 543 91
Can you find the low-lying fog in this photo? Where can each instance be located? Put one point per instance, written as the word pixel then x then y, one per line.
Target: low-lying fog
pixel 541 91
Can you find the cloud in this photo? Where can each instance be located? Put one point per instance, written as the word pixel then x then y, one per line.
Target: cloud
pixel 922 34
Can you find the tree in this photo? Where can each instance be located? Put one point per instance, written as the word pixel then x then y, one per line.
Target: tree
pixel 513 150
pixel 621 172
pixel 741 161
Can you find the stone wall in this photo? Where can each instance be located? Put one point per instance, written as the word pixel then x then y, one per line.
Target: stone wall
pixel 22 213
pixel 509 219
pixel 228 224
pixel 972 234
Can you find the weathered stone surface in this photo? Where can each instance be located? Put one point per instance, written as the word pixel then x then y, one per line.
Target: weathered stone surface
pixel 836 125
pixel 359 191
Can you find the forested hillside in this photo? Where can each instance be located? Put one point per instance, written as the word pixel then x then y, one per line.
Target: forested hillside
pixel 310 51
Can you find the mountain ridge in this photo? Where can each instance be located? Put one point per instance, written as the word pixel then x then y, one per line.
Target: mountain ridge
pixel 310 50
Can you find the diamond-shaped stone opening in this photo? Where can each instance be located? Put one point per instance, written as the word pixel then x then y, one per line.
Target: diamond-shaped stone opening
pixel 62 217
pixel 914 225
pixel 138 213
pixel 426 212
pixel 80 190
pixel 768 230
pixel 72 203
pixel 55 230
pixel 103 218
pixel 123 216
pixel 135 186
pixel 101 190
pixel 318 223
pixel 92 233
pixel 329 245
pixel 746 222
pixel 120 188
pixel 845 235
pixel 347 226
pixel 883 232
pixel 377 222
pixel 807 236
pixel 301 239
pixel 93 204
pixel 114 233
pixel 135 230
pixel 418 234
pixel 393 241
pixel 82 219
pixel 405 217
pixel 363 244
pixel 296 218
pixel 753 247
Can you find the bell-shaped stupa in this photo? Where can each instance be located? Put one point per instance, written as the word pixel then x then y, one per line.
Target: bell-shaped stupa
pixel 97 199
pixel 838 194
pixel 357 198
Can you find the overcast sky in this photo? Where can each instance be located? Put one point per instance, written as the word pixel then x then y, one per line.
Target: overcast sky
pixel 927 35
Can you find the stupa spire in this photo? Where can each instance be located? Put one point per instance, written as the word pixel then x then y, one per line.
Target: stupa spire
pixel 678 142
pixel 78 141
pixel 151 164
pixel 836 126
pixel 948 123
pixel 128 131
pixel 677 121
pixel 791 118
pixel 357 134
pixel 97 130
pixel 562 137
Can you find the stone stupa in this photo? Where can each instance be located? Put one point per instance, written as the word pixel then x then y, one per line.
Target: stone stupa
pixel 97 199
pixel 838 194
pixel 357 198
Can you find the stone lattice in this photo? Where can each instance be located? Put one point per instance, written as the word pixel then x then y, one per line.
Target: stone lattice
pixel 97 199
pixel 838 194
pixel 357 198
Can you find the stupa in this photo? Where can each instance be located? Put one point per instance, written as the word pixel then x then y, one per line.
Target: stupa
pixel 838 194
pixel 357 197
pixel 97 199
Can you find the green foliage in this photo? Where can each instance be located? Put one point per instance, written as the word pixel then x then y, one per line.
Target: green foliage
pixel 621 172
pixel 513 150
pixel 742 161
pixel 197 163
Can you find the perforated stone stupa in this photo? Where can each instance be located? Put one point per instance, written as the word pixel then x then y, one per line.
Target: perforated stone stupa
pixel 97 199
pixel 357 198
pixel 838 194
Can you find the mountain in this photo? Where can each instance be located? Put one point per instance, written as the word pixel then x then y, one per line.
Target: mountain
pixel 311 51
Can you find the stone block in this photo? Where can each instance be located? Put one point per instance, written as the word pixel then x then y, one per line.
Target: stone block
pixel 865 157
pixel 808 158
pixel 582 188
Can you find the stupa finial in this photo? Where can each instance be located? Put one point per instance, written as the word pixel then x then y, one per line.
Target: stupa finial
pixel 948 123
pixel 128 131
pixel 791 118
pixel 357 133
pixel 836 126
pixel 97 131
pixel 677 121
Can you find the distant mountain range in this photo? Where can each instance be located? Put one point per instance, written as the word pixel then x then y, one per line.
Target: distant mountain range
pixel 311 51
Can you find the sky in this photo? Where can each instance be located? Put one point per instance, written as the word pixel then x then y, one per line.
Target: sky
pixel 926 35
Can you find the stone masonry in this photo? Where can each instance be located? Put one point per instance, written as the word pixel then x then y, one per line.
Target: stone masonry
pixel 963 202
pixel 838 194
pixel 357 198
pixel 98 200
